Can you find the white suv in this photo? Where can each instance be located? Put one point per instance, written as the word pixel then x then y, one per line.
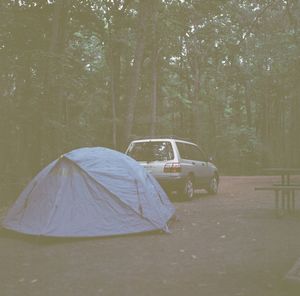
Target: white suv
pixel 178 165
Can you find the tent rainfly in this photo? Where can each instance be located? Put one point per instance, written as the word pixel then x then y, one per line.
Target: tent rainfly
pixel 90 192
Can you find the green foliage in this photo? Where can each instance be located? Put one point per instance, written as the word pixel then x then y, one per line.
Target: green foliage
pixel 238 150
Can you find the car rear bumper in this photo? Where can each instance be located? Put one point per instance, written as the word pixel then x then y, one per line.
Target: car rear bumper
pixel 174 183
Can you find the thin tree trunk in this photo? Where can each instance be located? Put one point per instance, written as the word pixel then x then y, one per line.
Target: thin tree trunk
pixel 248 109
pixel 154 72
pixel 113 100
pixel 195 101
pixel 154 98
pixel 294 147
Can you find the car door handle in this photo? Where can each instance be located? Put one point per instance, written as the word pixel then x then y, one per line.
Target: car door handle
pixel 193 163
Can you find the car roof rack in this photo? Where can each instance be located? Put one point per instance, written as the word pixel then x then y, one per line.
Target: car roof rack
pixel 163 137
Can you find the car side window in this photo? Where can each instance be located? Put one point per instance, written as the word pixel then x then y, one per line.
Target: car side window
pixel 196 153
pixel 183 150
pixel 192 152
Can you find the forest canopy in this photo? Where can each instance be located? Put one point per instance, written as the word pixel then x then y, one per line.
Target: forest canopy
pixel 223 73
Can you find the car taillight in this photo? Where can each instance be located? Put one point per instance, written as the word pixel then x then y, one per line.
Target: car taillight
pixel 173 167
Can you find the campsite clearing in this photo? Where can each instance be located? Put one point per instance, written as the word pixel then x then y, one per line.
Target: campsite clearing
pixel 224 245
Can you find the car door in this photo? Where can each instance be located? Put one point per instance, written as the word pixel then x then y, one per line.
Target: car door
pixel 200 165
pixel 192 162
pixel 186 162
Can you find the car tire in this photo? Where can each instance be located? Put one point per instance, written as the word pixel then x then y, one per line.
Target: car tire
pixel 213 185
pixel 169 193
pixel 188 189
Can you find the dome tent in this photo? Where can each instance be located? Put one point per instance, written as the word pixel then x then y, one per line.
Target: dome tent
pixel 90 192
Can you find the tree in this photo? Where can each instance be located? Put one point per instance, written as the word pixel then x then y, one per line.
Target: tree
pixel 145 12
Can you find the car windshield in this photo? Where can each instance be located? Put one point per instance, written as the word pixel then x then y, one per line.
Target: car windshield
pixel 151 151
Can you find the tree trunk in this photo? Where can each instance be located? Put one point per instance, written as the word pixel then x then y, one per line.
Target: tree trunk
pixel 248 107
pixel 154 96
pixel 154 73
pixel 55 111
pixel 294 145
pixel 114 96
pixel 145 10
pixel 114 60
pixel 195 101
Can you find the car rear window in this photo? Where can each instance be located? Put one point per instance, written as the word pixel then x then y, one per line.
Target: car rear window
pixel 151 151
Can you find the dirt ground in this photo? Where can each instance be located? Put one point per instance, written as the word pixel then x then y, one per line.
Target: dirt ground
pixel 229 244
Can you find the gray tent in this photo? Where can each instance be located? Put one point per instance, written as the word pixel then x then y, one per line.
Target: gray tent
pixel 90 192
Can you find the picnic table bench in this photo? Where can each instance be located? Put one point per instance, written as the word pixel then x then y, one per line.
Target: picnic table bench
pixel 284 190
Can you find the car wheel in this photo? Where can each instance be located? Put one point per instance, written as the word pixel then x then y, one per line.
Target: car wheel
pixel 213 185
pixel 169 193
pixel 188 189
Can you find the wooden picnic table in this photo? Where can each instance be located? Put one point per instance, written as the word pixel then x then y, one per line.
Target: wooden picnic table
pixel 284 189
pixel 285 173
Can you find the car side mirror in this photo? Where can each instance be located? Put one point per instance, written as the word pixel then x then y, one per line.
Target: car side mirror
pixel 210 159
